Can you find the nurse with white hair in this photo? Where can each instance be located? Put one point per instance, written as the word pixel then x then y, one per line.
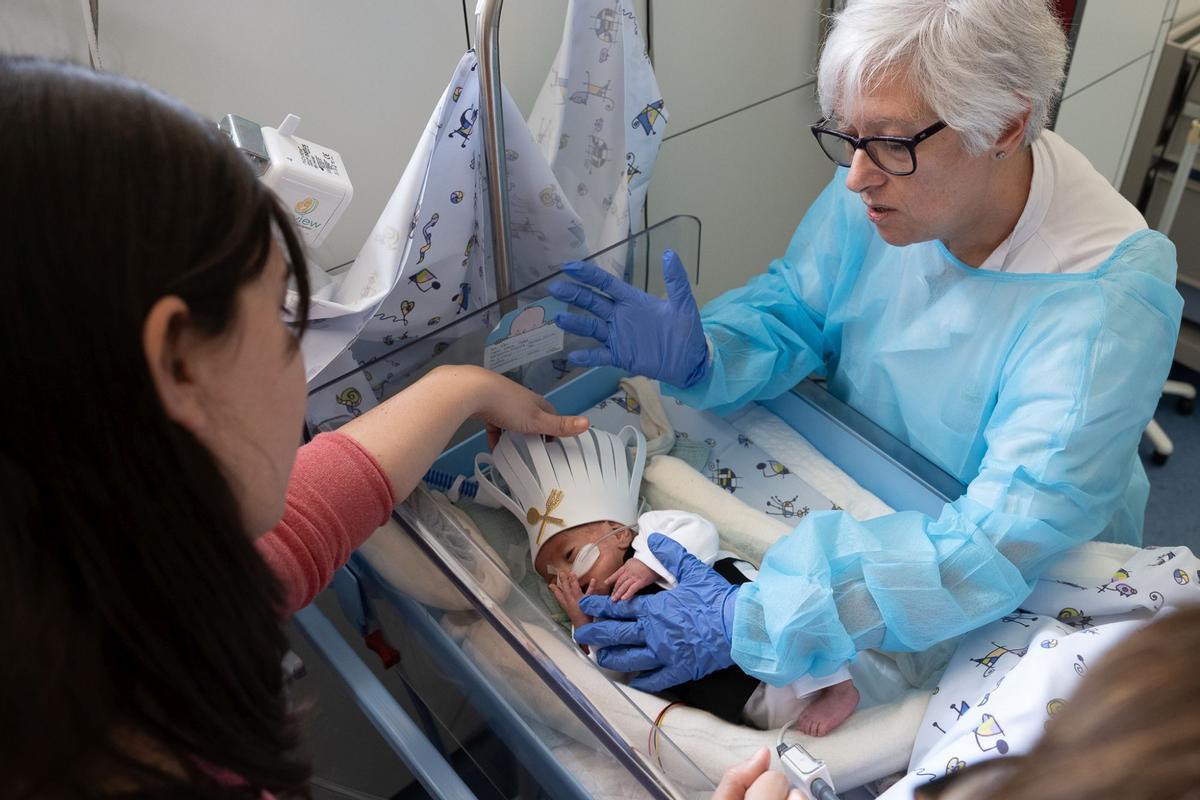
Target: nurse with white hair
pixel 968 281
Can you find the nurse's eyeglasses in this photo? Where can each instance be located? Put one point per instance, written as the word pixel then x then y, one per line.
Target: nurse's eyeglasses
pixel 895 155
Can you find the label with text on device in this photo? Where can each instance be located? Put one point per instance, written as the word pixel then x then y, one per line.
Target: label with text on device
pixel 524 335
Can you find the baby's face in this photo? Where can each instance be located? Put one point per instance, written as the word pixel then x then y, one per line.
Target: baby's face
pixel 557 556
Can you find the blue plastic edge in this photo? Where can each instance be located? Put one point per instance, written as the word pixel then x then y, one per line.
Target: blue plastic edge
pixel 395 726
pixel 504 720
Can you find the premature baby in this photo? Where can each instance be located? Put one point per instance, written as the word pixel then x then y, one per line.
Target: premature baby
pixel 578 499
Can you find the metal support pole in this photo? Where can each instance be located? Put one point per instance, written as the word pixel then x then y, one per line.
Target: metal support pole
pixel 1182 173
pixel 487 40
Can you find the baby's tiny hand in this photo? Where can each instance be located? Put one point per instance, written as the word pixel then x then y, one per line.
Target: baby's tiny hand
pixel 630 578
pixel 567 592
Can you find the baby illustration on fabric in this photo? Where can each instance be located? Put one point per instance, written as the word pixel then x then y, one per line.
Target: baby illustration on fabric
pixel 578 499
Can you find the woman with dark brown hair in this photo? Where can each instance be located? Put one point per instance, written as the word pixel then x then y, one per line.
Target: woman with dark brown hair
pixel 158 522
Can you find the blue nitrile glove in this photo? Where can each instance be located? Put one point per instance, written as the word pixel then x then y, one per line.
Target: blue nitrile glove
pixel 671 637
pixel 641 333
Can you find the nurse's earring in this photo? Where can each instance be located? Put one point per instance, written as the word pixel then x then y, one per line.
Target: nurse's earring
pixel 1001 155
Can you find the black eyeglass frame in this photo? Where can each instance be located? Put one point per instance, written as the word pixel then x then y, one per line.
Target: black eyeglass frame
pixel 860 143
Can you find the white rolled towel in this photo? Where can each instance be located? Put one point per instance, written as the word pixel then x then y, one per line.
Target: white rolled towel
pixel 669 483
pixel 785 445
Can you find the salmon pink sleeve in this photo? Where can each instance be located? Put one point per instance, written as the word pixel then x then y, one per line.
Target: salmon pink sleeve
pixel 337 497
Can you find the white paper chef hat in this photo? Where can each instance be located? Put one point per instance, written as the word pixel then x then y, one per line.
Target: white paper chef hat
pixel 557 484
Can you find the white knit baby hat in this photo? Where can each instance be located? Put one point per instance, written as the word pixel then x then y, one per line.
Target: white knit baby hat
pixel 558 484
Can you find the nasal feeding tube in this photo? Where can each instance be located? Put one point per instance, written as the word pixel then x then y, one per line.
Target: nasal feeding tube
pixel 587 556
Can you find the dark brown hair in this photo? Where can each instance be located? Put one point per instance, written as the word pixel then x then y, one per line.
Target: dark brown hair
pixel 1131 731
pixel 140 639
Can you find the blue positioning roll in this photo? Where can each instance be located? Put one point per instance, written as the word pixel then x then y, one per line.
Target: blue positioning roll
pixel 443 481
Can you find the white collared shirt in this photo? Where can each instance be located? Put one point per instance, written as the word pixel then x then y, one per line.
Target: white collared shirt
pixel 1073 217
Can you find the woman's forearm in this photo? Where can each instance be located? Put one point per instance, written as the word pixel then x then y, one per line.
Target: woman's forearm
pixel 408 432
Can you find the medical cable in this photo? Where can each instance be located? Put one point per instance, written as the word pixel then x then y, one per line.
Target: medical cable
pixel 652 740
pixel 784 730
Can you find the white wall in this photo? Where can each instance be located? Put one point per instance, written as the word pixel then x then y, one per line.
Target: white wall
pixel 45 27
pixel 1115 58
pixel 363 76
pixel 1187 8
pixel 738 82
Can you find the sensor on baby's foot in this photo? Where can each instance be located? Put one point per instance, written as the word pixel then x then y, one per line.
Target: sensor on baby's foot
pixel 809 775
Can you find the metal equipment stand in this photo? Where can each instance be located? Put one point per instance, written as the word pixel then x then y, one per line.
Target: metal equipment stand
pixel 1163 447
pixel 487 41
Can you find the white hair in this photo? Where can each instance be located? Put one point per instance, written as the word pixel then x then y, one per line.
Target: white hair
pixel 979 64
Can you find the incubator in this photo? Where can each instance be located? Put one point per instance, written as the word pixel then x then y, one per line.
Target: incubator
pixel 444 593
pixel 450 577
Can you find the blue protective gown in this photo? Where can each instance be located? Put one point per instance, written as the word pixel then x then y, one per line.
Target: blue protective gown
pixel 1033 389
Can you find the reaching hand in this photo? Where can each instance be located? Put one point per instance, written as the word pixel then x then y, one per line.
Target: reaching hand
pixel 507 406
pixel 669 637
pixel 751 780
pixel 641 333
pixel 629 579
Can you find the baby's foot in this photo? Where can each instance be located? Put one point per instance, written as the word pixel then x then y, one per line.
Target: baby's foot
pixel 829 710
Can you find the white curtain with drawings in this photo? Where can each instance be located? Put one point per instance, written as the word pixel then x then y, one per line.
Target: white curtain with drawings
pixel 1006 680
pixel 599 119
pixel 577 178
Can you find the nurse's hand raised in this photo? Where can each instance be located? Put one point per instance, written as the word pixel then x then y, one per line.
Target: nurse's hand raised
pixel 639 332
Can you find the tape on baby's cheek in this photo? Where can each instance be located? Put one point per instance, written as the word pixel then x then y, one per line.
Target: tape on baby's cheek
pixel 589 554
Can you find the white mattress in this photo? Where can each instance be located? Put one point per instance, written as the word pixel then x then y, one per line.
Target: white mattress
pixel 778 438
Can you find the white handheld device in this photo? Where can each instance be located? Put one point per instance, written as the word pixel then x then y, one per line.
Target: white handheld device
pixel 806 773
